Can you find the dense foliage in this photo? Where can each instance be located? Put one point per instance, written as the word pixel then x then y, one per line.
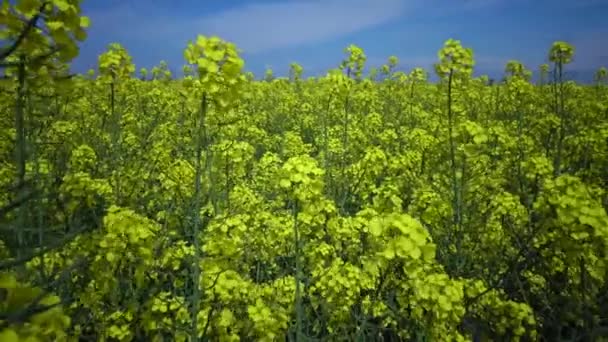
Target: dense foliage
pixel 346 207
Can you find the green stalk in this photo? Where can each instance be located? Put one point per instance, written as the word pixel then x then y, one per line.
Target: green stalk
pixel 20 151
pixel 326 165
pixel 559 107
pixel 196 270
pixel 456 200
pixel 344 155
pixel 298 299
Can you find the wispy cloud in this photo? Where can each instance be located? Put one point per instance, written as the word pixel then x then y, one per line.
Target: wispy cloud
pixel 261 27
pixel 450 7
pixel 314 32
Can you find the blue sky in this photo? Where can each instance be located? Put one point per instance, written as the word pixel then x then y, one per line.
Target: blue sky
pixel 314 33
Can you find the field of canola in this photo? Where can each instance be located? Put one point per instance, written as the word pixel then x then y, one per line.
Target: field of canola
pixel 349 207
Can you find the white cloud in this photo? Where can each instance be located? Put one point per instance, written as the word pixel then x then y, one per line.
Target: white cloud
pixel 270 25
pixel 258 27
pixel 267 26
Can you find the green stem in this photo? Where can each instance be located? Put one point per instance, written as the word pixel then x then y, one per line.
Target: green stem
pixel 196 228
pixel 20 151
pixel 298 299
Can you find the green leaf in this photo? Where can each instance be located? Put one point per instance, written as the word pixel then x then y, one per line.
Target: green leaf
pixel 297 177
pixel 224 228
pixel 375 227
pixel 54 25
pixel 580 235
pixel 226 318
pixel 216 55
pixel 85 22
pixel 480 139
pixel 428 252
pixel 63 5
pixel 27 6
pixel 396 201
pixel 444 303
pixel 213 67
pixel 415 253
pixel 389 252
pixel 110 257
pixel 140 279
pixel 9 335
pixel 406 245
pixel 417 236
pixel 203 63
